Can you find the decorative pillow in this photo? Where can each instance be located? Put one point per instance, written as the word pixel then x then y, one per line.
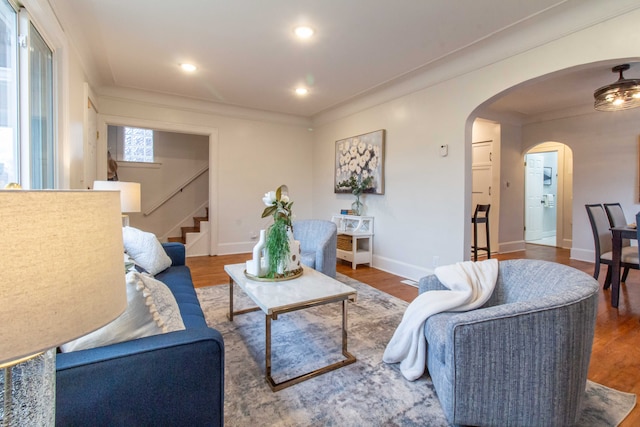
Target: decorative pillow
pixel 165 302
pixel 146 250
pixel 137 321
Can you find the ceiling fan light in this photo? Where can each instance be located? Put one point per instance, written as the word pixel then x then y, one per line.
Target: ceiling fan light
pixel 621 95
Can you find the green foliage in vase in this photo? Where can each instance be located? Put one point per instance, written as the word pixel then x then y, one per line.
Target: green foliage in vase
pixel 277 246
pixel 277 241
pixel 356 184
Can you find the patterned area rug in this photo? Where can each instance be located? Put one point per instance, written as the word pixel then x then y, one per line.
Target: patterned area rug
pixel 368 392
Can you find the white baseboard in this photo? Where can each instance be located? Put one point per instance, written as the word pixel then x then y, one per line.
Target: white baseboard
pixel 583 255
pixel 235 248
pixel 399 268
pixel 515 246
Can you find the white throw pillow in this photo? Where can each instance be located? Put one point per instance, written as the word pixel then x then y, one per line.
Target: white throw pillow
pixel 140 319
pixel 146 250
pixel 165 302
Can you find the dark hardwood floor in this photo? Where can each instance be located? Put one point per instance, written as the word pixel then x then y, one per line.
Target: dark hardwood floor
pixel 615 359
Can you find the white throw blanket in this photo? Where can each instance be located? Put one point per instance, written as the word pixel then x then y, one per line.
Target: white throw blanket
pixel 471 285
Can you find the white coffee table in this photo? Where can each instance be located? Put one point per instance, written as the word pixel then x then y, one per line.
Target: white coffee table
pixel 274 298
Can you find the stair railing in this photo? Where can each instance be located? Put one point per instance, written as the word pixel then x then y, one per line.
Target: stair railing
pixel 175 191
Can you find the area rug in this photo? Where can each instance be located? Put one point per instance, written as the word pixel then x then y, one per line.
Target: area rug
pixel 368 392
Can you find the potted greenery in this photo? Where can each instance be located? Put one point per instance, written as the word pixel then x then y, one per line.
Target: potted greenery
pixel 357 185
pixel 279 236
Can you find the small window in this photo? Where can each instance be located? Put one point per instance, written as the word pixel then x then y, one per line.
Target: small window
pixel 138 145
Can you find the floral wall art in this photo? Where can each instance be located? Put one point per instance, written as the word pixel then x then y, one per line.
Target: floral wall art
pixel 361 158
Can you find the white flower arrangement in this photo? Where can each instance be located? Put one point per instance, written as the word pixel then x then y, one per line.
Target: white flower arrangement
pixel 357 159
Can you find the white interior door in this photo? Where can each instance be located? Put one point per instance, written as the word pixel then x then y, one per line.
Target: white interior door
pixel 481 195
pixel 533 196
pixel 482 178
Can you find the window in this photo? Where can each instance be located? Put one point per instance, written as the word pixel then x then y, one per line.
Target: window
pixel 27 116
pixel 41 111
pixel 9 166
pixel 138 145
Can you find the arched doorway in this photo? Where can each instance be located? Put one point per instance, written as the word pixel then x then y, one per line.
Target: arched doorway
pixel 548 195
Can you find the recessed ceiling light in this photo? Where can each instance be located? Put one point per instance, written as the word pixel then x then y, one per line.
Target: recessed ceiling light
pixel 188 67
pixel 303 32
pixel 302 91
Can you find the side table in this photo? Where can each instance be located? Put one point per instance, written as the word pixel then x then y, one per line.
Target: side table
pixel 355 239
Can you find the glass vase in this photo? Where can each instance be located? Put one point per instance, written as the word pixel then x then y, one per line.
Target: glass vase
pixel 357 207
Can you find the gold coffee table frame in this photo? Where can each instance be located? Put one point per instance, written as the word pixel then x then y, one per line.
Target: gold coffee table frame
pixel 273 313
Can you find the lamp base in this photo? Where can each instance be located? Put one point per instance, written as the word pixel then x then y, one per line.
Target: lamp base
pixel 125 220
pixel 28 391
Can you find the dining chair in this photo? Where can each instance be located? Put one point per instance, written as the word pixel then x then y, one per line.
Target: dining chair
pixel 617 219
pixel 481 216
pixel 604 245
pixel 615 214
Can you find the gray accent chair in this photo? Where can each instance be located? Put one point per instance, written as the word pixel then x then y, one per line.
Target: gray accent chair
pixel 521 359
pixel 318 243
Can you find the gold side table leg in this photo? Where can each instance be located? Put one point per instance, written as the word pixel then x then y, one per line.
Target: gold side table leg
pixel 349 358
pixel 230 314
pixel 267 349
pixel 344 329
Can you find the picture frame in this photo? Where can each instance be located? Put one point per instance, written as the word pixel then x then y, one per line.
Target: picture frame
pixel 361 156
pixel 546 175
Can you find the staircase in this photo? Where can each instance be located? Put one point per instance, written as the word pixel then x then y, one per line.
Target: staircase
pixel 195 229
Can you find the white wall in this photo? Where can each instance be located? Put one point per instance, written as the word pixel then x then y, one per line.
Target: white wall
pixel 511 231
pixel 605 165
pixel 425 210
pixel 254 156
pixel 77 105
pixel 177 158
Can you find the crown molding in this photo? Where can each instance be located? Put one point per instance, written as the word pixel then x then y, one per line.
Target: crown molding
pixel 553 24
pixel 198 106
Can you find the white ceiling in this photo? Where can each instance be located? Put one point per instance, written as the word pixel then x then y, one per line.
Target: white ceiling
pixel 247 55
pixel 560 91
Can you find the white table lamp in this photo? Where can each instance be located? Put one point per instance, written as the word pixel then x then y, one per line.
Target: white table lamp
pixel 129 196
pixel 62 277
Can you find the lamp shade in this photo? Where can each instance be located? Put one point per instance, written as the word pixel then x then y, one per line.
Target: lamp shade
pixel 129 193
pixel 62 268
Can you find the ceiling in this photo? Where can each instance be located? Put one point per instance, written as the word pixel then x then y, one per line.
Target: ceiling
pixel 248 56
pixel 560 91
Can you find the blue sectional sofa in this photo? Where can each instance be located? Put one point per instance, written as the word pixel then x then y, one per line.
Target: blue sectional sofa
pixel 176 378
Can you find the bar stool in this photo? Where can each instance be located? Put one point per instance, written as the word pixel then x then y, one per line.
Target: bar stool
pixel 480 216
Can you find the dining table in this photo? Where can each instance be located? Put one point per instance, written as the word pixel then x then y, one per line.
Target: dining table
pixel 618 234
